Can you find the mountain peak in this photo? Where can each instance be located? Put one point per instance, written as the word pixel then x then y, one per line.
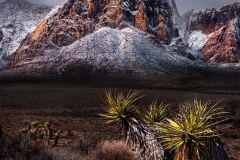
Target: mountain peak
pixel 77 18
pixel 130 36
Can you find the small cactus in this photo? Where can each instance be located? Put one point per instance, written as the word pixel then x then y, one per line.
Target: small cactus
pixel 56 138
pixel 35 124
pixel 41 131
pixel 47 124
pixel 48 133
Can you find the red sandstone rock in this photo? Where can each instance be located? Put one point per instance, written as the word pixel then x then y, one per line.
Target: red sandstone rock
pixel 80 17
pixel 223 45
pixel 210 20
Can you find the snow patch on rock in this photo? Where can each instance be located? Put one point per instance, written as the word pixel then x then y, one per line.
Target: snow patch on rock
pixel 115 51
pixel 53 11
pixel 196 40
pixel 17 19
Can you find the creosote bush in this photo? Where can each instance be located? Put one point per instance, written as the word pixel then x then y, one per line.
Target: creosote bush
pixel 115 150
pixel 20 147
pixel 83 145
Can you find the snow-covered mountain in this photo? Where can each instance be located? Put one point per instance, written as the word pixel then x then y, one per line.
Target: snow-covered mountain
pixel 17 19
pixel 76 21
pixel 214 33
pixel 139 37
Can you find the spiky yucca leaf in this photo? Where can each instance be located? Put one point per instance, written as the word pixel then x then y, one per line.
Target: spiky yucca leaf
pixel 120 109
pixel 191 129
pixel 120 106
pixel 154 113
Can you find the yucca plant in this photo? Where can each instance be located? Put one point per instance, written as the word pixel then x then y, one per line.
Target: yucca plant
pixel 120 108
pixel 155 113
pixel 192 133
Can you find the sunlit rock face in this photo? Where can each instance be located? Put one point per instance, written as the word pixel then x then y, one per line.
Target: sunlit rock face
pixel 77 18
pixel 222 26
pixel 17 19
pixel 127 37
pixel 223 45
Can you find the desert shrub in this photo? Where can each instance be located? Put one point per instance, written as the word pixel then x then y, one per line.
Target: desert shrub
pixel 64 154
pixel 116 150
pixel 22 147
pixel 83 145
pixel 19 146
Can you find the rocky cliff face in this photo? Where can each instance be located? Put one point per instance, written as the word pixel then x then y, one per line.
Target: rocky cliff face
pixel 222 28
pixel 17 19
pixel 223 45
pixel 77 18
pixel 211 19
pixel 127 36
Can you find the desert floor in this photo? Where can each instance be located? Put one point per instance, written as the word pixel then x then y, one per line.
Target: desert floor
pixel 73 105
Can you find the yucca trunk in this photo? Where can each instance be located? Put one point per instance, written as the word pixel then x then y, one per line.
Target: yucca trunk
pixel 187 152
pixel 193 134
pixel 120 108
pixel 214 150
pixel 140 137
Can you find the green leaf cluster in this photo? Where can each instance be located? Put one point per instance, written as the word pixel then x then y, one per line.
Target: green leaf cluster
pixel 190 134
pixel 120 107
pixel 191 129
pixel 155 113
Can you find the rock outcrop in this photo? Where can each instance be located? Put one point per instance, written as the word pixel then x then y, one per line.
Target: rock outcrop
pixel 180 48
pixel 223 45
pixel 77 18
pixel 204 20
pixel 127 36
pixel 222 26
pixel 210 20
